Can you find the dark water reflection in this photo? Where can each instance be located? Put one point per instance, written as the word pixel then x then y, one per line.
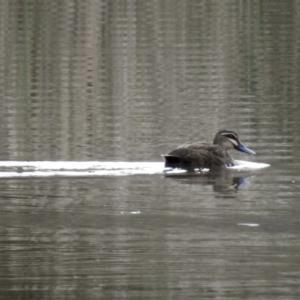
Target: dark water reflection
pixel 222 180
pixel 129 81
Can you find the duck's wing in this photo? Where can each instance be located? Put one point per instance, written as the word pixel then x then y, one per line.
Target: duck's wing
pixel 205 149
pixel 197 146
pixel 196 156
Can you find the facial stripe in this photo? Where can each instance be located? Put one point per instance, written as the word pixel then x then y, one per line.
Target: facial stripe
pixel 234 142
pixel 230 135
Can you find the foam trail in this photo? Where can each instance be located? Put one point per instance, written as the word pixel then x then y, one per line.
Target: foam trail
pixel 73 168
pixel 15 169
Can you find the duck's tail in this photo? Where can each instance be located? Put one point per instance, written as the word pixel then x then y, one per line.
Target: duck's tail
pixel 173 161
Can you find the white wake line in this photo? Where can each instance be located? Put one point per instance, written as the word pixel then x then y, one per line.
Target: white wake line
pixel 72 174
pixel 18 169
pixel 248 165
pixel 78 165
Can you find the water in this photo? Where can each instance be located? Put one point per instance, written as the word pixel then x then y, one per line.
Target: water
pixel 109 86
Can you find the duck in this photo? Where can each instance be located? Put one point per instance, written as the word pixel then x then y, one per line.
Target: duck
pixel 205 155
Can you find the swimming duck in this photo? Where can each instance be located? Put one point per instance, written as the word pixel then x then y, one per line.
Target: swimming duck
pixel 205 155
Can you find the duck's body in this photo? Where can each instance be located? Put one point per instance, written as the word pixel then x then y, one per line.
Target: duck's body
pixel 205 155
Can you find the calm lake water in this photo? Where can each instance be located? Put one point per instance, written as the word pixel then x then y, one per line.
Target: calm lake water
pixel 127 81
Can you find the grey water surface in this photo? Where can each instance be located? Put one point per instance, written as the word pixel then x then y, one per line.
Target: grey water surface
pixel 128 81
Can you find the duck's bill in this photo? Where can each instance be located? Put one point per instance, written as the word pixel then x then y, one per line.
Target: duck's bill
pixel 244 149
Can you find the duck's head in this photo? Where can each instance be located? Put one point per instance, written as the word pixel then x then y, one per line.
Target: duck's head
pixel 230 140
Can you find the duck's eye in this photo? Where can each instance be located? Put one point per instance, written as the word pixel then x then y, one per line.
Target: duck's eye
pixel 231 136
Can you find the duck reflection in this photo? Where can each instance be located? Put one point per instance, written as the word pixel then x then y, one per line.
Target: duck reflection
pixel 223 180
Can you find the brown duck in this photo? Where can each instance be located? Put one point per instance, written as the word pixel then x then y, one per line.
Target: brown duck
pixel 205 155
